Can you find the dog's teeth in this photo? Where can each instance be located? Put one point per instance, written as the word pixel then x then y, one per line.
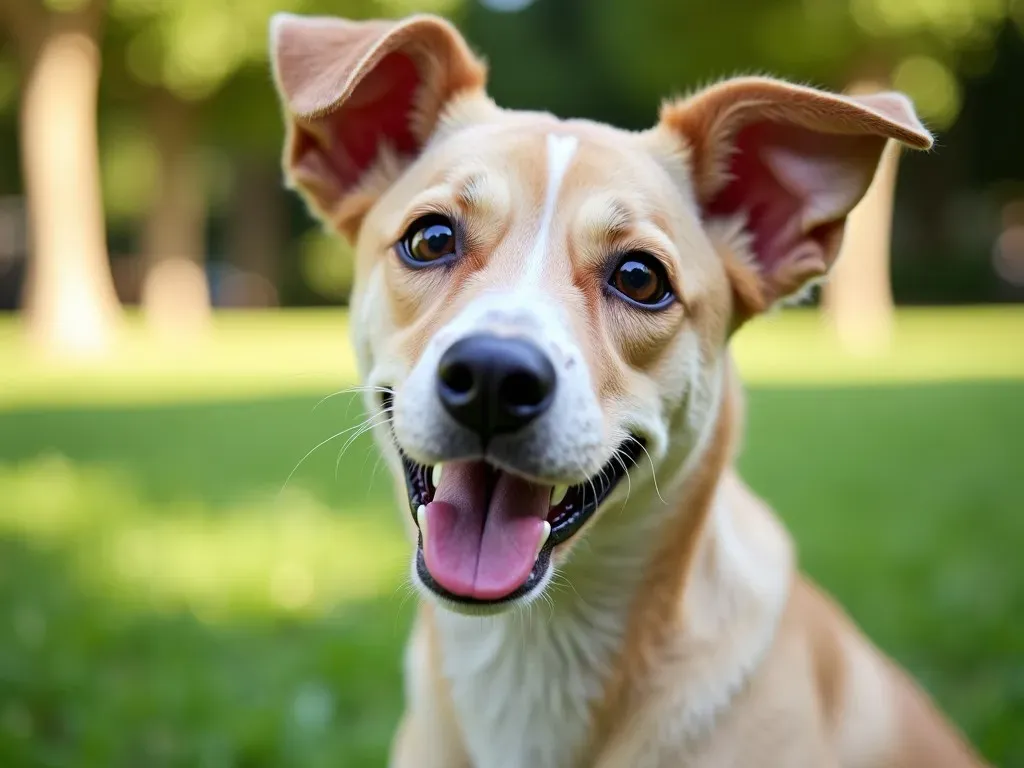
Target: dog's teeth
pixel 558 494
pixel 435 476
pixel 544 537
pixel 421 521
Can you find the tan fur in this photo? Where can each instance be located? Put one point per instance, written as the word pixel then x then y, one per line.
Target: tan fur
pixel 723 655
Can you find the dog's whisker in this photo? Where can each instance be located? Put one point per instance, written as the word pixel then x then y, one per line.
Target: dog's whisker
pixel 351 441
pixel 372 422
pixel 350 391
pixel 617 456
pixel 376 469
pixel 565 582
pixel 317 447
pixel 410 592
pixel 368 426
pixel 654 473
pixel 590 481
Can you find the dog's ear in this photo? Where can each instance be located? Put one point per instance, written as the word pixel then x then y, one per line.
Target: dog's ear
pixel 782 165
pixel 356 94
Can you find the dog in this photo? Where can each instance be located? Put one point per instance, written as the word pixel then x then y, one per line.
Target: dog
pixel 541 314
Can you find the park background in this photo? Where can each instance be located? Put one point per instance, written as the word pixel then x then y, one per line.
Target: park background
pixel 179 586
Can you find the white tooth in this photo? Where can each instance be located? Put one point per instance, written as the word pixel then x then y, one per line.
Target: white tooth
pixel 435 476
pixel 558 494
pixel 421 521
pixel 544 536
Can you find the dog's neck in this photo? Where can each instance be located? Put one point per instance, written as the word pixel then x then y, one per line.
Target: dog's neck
pixel 537 686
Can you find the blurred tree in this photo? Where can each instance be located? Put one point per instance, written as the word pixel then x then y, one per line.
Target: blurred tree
pixel 69 297
pixel 182 54
pixel 916 48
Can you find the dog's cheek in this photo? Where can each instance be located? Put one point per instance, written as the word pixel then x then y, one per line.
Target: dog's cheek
pixel 645 372
pixel 412 292
pixel 644 337
pixel 370 324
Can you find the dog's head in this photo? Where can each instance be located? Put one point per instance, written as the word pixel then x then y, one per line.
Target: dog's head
pixel 541 303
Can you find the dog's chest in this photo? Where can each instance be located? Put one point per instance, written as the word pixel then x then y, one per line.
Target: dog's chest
pixel 524 685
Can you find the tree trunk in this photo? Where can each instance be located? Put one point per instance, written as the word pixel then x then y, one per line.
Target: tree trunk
pixel 858 295
pixel 256 234
pixel 70 303
pixel 175 293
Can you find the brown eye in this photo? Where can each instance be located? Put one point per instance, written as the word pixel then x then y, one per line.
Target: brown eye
pixel 641 278
pixel 428 240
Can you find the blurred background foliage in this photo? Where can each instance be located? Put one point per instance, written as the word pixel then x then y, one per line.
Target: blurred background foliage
pixel 190 129
pixel 171 596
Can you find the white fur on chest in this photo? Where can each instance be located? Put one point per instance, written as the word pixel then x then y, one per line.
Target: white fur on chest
pixel 524 684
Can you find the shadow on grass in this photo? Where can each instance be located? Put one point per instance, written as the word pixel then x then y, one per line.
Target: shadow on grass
pixel 93 681
pixel 163 605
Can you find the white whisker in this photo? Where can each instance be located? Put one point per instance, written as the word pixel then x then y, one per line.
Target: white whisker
pixel 372 422
pixel 653 473
pixel 350 391
pixel 316 447
pixel 625 471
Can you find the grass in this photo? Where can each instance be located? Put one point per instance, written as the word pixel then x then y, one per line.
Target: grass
pixel 248 354
pixel 164 602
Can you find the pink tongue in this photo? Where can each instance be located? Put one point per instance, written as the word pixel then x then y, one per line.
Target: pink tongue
pixel 480 548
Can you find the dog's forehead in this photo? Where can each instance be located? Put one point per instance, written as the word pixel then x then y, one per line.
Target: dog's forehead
pixel 533 152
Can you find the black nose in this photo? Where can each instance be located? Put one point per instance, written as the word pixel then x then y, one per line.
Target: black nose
pixel 491 384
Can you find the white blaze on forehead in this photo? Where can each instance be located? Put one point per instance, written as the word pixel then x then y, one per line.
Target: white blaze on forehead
pixel 560 152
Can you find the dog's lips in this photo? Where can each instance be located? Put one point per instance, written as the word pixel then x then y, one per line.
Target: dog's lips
pixel 486 535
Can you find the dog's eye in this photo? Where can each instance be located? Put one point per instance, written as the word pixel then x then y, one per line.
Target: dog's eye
pixel 428 240
pixel 641 278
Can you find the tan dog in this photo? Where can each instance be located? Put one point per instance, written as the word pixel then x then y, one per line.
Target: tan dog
pixel 542 314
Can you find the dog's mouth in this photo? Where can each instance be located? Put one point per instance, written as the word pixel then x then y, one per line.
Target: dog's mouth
pixel 486 534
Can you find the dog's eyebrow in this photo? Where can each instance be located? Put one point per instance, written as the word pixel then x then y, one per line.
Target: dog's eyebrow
pixel 478 190
pixel 610 223
pixel 607 219
pixel 469 190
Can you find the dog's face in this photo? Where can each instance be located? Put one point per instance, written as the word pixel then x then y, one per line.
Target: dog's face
pixel 540 304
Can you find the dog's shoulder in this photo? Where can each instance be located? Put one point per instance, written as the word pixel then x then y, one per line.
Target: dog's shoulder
pixel 871 711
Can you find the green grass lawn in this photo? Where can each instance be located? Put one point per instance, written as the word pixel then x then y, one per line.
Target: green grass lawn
pixel 165 599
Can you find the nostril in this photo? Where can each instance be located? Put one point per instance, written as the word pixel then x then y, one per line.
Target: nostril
pixel 458 378
pixel 522 391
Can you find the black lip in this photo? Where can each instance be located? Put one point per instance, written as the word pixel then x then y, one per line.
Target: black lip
pixel 583 499
pixel 581 502
pixel 540 568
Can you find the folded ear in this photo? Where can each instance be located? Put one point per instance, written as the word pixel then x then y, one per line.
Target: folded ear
pixel 355 92
pixel 786 164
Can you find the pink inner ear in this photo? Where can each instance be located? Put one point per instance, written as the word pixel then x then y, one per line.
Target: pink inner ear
pixel 796 187
pixel 773 212
pixel 378 111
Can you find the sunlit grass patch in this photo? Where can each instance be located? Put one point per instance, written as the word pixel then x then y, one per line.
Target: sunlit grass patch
pixel 251 354
pixel 241 354
pixel 797 348
pixel 275 554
